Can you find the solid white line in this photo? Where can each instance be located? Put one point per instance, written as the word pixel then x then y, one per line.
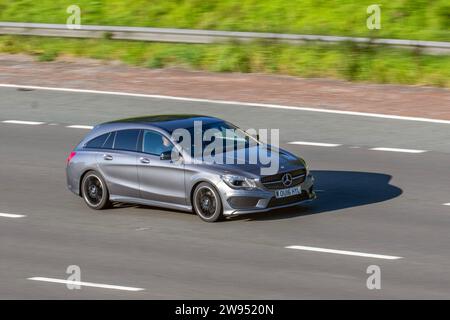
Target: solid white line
pixel 80 127
pixel 31 123
pixel 86 284
pixel 10 215
pixel 399 150
pixel 349 253
pixel 250 104
pixel 319 144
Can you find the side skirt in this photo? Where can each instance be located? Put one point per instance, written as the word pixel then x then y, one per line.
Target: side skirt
pixel 151 203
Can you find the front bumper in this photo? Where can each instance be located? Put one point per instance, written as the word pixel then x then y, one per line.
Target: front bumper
pixel 237 202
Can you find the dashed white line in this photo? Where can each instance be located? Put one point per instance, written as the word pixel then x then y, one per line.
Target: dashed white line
pixel 304 143
pixel 446 204
pixel 75 126
pixel 399 150
pixel 318 144
pixel 238 103
pixel 344 252
pixel 86 284
pixel 31 123
pixel 10 215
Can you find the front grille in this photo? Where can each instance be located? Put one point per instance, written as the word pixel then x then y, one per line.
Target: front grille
pixel 274 181
pixel 274 202
pixel 279 185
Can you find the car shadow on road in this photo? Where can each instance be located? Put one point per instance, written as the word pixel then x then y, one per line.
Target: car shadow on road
pixel 337 190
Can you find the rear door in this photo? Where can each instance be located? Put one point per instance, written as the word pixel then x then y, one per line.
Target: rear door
pixel 117 163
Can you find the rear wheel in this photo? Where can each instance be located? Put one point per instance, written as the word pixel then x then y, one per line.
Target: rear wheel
pixel 94 191
pixel 207 203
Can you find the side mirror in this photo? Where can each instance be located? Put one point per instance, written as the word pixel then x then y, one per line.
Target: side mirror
pixel 166 155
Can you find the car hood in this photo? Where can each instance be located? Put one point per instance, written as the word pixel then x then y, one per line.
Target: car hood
pixel 240 161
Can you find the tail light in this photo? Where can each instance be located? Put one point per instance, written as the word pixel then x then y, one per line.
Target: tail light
pixel 72 154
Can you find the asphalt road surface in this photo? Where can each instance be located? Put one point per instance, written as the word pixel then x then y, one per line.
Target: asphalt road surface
pixel 388 203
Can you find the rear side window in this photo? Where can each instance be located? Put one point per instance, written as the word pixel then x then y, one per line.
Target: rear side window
pixel 98 142
pixel 126 140
pixel 109 143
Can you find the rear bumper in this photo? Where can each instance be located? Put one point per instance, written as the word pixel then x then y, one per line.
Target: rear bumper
pixel 72 182
pixel 238 202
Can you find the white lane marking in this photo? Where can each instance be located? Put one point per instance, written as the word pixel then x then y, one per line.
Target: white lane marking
pixel 344 252
pixel 318 144
pixel 10 215
pixel 446 204
pixel 250 104
pixel 31 123
pixel 86 284
pixel 75 126
pixel 399 150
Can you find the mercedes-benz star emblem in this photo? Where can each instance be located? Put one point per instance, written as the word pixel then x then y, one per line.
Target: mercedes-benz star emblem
pixel 287 179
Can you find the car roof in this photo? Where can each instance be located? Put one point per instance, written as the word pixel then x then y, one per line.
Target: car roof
pixel 167 122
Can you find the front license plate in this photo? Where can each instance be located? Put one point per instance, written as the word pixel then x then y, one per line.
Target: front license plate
pixel 288 192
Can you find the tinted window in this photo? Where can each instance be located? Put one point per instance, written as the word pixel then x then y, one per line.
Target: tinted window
pixel 126 140
pixel 97 142
pixel 110 141
pixel 228 133
pixel 155 143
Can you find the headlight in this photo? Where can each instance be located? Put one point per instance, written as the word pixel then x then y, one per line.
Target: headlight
pixel 304 164
pixel 238 182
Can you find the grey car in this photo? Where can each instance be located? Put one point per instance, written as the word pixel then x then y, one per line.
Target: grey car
pixel 141 161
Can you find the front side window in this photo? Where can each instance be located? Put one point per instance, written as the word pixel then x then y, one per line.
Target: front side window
pixel 155 143
pixel 126 140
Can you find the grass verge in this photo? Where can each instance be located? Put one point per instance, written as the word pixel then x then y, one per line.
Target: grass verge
pixel 346 61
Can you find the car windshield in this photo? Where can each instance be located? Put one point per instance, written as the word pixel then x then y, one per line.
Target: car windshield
pixel 221 134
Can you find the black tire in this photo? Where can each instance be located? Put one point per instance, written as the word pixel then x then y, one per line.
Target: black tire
pixel 94 191
pixel 207 203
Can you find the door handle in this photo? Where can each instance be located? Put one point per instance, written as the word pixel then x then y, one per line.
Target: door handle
pixel 144 160
pixel 107 157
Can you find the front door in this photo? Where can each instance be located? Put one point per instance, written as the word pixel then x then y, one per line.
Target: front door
pixel 160 180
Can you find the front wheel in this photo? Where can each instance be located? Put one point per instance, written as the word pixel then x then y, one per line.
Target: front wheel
pixel 207 203
pixel 94 190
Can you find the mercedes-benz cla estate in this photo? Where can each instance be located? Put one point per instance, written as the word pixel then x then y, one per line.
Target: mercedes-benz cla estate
pixel 141 161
